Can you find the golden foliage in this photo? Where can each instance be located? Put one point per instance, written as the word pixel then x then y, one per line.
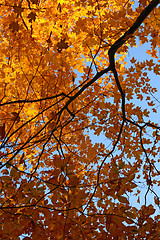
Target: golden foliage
pixel 77 145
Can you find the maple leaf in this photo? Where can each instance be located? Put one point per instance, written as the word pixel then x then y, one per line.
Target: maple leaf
pixel 157 69
pixel 14 26
pixel 62 45
pixel 79 129
pixel 52 116
pixel 32 16
pixel 18 9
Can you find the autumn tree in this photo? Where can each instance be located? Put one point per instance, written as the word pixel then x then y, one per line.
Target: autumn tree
pixel 79 132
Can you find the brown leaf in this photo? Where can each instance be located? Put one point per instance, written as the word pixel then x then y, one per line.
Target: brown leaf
pixel 2 131
pixel 21 161
pixel 14 26
pixel 52 126
pixel 18 9
pixel 52 116
pixel 49 40
pixel 32 16
pixel 15 117
pixel 35 1
pixel 62 45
